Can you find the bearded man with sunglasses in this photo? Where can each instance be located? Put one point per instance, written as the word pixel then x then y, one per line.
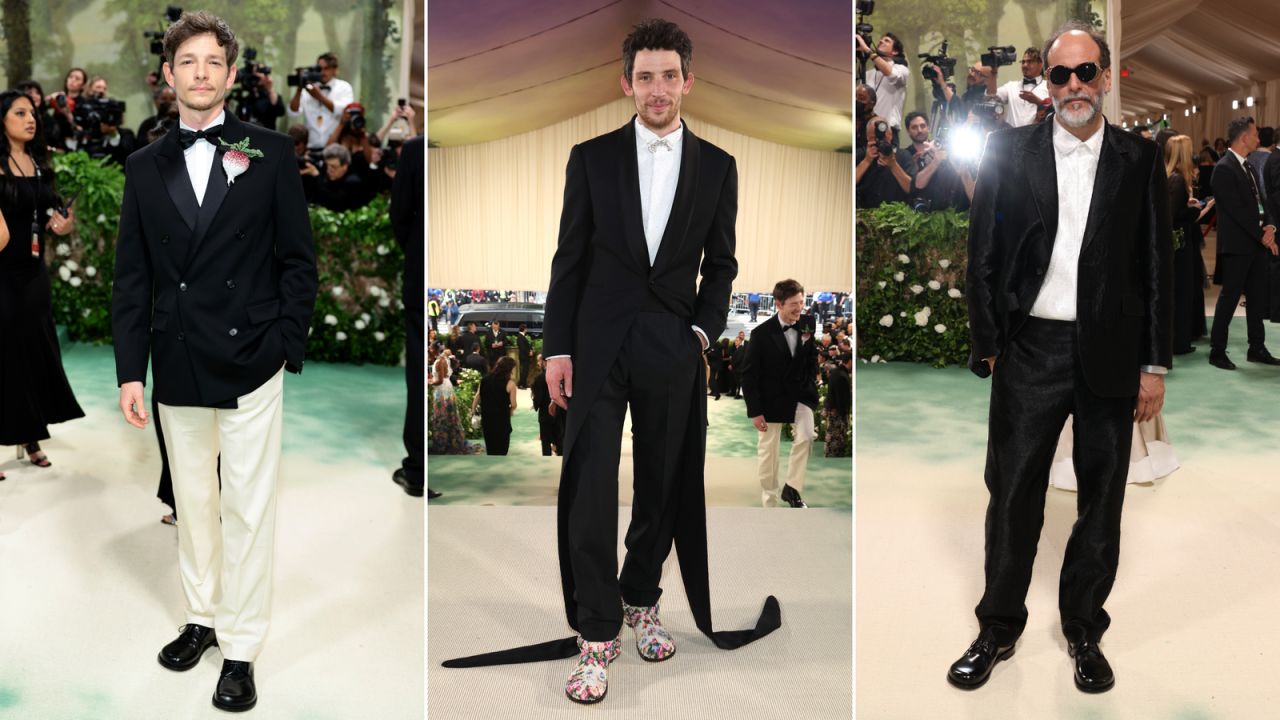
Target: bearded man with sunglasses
pixel 1070 311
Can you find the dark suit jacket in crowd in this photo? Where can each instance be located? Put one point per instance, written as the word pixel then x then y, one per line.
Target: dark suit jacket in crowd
pixel 1239 232
pixel 774 380
pixel 1125 287
pixel 218 295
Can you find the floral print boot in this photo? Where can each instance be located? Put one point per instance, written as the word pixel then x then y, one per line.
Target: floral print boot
pixel 590 680
pixel 652 640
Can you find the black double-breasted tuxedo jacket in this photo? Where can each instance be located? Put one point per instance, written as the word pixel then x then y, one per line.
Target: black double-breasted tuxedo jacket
pixel 1124 292
pixel 774 380
pixel 219 295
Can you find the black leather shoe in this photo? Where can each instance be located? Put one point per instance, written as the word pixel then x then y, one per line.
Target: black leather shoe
pixel 1093 672
pixel 1262 356
pixel 185 652
pixel 973 668
pixel 414 489
pixel 432 494
pixel 1185 350
pixel 1221 361
pixel 792 497
pixel 236 691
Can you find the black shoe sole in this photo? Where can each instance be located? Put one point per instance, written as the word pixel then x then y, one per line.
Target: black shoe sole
pixel 234 708
pixel 975 685
pixel 587 702
pixel 176 667
pixel 1094 689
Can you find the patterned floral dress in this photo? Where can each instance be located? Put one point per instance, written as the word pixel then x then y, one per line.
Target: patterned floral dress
pixel 445 422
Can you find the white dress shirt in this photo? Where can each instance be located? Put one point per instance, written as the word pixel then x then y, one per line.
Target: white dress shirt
pixel 1020 112
pixel 891 91
pixel 200 157
pixel 321 121
pixel 1076 165
pixel 659 171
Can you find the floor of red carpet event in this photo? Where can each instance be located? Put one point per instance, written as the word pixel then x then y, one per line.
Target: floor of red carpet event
pixel 89 580
pixel 1193 607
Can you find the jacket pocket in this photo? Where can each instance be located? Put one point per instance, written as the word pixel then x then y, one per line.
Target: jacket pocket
pixel 263 312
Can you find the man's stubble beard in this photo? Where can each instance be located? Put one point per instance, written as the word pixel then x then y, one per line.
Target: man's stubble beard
pixel 657 123
pixel 1081 118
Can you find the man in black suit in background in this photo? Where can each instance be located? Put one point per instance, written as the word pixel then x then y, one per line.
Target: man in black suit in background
pixel 550 416
pixel 524 353
pixel 1246 233
pixel 645 208
pixel 780 385
pixel 495 343
pixel 1070 313
pixel 407 221
pixel 467 339
pixel 222 309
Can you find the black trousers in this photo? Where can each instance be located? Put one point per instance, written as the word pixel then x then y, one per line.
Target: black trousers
pixel 497 436
pixel 1037 383
pixel 655 374
pixel 1247 275
pixel 415 378
pixel 551 431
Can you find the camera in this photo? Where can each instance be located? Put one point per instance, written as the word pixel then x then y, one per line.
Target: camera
pixel 866 7
pixel 155 38
pixel 304 76
pixel 884 138
pixel 355 116
pixel 988 113
pixel 941 61
pixel 999 56
pixel 91 112
pixel 247 75
pixel 864 29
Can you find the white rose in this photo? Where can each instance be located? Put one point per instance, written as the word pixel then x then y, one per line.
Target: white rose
pixel 944 263
pixel 309 329
pixel 916 289
pixel 922 317
pixel 953 292
pixel 882 283
pixel 887 321
pixel 939 328
pixel 384 302
pixel 935 285
pixel 374 290
pixel 902 314
pixel 337 291
pixel 91 271
pixel 874 358
pixel 379 336
pixel 383 249
pixel 64 272
pixel 364 317
pixel 360 324
pixel 903 259
pixel 341 335
pixel 899 277
pixel 84 312
pixel 72 265
pixel 101 218
pixel 75 282
pixel 63 249
pixel 330 320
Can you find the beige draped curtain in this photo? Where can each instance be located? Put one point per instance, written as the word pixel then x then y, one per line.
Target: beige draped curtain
pixel 494 208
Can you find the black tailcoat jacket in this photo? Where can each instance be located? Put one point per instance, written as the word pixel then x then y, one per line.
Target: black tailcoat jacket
pixel 218 295
pixel 600 281
pixel 1124 291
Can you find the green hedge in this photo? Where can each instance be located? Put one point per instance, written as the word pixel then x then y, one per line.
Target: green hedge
pixel 358 315
pixel 911 271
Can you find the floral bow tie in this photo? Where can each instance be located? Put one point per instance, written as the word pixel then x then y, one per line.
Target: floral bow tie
pixel 659 143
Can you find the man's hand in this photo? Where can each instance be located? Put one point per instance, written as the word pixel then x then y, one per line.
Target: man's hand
pixel 1028 96
pixel 560 371
pixel 1150 397
pixel 759 422
pixel 887 160
pixel 309 169
pixel 133 404
pixel 862 44
pixel 314 90
pixel 1269 238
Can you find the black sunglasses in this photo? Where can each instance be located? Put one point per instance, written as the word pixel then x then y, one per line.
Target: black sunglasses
pixel 1061 74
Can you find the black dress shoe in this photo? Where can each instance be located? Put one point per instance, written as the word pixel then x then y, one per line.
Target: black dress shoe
pixel 792 497
pixel 185 652
pixel 432 494
pixel 236 691
pixel 414 489
pixel 1093 672
pixel 1262 356
pixel 973 668
pixel 1221 361
pixel 1185 350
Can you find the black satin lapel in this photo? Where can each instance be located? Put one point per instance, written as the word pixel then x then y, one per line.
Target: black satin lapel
pixel 629 194
pixel 777 337
pixel 216 191
pixel 1042 176
pixel 682 207
pixel 1106 184
pixel 173 170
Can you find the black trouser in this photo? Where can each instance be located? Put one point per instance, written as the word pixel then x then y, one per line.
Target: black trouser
pixel 522 379
pixel 1037 383
pixel 655 373
pixel 550 433
pixel 414 374
pixel 497 436
pixel 1247 275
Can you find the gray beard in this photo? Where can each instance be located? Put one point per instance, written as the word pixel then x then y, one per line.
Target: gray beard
pixel 1081 119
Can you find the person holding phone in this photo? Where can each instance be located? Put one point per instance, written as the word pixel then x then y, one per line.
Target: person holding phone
pixel 34 392
pixel 1188 263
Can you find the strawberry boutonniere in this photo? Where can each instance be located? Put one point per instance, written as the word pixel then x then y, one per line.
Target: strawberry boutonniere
pixel 236 159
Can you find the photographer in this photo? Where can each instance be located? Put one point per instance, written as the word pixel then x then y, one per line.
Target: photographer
pixel 979 81
pixel 97 88
pixel 1027 99
pixel 864 110
pixel 326 96
pixel 888 78
pixel 399 127
pixel 117 143
pixel 164 98
pixel 63 104
pixel 882 175
pixel 352 134
pixel 338 189
pixel 935 183
pixel 259 103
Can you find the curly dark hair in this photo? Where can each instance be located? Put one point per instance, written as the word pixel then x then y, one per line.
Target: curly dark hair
pixel 656 34
pixel 196 23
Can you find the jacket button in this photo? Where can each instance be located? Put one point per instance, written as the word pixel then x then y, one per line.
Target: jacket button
pixel 233 332
pixel 231 284
pixel 240 234
pixel 181 337
pixel 182 287
pixel 164 240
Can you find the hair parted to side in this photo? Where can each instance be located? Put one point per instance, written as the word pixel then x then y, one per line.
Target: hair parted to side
pixel 196 23
pixel 330 59
pixel 1033 53
pixel 656 34
pixel 785 289
pixel 1104 52
pixel 1236 128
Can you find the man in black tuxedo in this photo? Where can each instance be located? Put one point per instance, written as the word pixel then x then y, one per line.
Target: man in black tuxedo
pixel 216 282
pixel 780 384
pixel 550 416
pixel 409 224
pixel 466 339
pixel 1246 233
pixel 738 362
pixel 645 207
pixel 524 353
pixel 495 343
pixel 1070 311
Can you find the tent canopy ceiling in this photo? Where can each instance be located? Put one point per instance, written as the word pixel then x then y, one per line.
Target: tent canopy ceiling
pixel 776 71
pixel 1182 51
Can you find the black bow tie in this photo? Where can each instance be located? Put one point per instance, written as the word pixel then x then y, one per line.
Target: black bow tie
pixel 787 327
pixel 187 138
pixel 323 87
pixel 1029 81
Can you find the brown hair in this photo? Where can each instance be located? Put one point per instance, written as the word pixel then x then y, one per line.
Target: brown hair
pixel 656 34
pixel 196 23
pixel 503 367
pixel 785 289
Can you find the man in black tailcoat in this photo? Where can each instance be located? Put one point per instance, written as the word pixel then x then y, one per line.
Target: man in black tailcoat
pixel 1070 311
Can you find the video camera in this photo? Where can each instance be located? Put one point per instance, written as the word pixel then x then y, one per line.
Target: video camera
pixel 303 76
pixel 864 29
pixel 999 56
pixel 91 112
pixel 155 38
pixel 247 76
pixel 941 61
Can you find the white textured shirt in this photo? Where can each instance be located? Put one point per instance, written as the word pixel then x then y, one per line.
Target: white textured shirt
pixel 1077 166
pixel 200 157
pixel 320 120
pixel 1020 112
pixel 891 91
pixel 659 172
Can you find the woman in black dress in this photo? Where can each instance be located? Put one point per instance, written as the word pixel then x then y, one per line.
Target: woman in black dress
pixel 497 400
pixel 1188 262
pixel 34 392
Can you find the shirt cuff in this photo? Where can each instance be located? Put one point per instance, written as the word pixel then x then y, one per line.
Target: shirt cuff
pixel 701 336
pixel 553 357
pixel 1155 369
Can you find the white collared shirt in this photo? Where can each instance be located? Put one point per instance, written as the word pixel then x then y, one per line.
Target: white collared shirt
pixel 891 91
pixel 1076 164
pixel 200 157
pixel 321 121
pixel 659 172
pixel 1020 112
